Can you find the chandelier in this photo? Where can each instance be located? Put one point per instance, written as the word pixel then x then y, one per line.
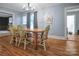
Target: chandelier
pixel 28 7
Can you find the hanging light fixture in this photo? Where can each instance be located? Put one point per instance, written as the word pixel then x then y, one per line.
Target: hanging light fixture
pixel 28 7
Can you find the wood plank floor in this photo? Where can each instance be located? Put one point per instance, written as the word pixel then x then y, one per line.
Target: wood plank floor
pixel 56 48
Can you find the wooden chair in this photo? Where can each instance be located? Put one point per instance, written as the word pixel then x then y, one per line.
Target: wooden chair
pixel 14 35
pixel 44 37
pixel 23 37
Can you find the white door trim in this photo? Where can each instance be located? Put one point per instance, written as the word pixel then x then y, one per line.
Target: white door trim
pixel 65 14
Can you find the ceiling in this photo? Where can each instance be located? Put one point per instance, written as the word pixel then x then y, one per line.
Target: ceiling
pixel 19 6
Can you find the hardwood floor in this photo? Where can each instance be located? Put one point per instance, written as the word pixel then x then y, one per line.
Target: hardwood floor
pixel 56 48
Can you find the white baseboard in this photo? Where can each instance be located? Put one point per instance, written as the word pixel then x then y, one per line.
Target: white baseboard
pixel 57 37
pixel 4 33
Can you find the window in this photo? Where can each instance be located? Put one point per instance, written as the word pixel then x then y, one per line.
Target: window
pixel 24 20
pixel 32 21
pixel 10 19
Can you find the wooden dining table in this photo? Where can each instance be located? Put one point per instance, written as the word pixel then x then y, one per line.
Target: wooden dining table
pixel 35 32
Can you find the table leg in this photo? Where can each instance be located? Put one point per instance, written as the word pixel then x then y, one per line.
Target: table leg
pixel 36 41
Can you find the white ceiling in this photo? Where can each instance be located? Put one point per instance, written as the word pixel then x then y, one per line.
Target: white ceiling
pixel 19 6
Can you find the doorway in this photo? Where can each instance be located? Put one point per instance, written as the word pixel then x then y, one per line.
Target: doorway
pixel 71 24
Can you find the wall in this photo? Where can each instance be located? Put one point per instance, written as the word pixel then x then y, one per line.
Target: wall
pixel 77 21
pixel 57 26
pixel 57 12
pixel 17 19
pixel 16 16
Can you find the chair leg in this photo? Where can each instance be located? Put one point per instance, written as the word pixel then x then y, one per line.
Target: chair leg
pixel 19 42
pixel 16 42
pixel 47 45
pixel 11 41
pixel 24 44
pixel 44 43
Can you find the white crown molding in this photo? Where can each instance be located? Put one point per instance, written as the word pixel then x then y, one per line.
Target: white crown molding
pixel 72 10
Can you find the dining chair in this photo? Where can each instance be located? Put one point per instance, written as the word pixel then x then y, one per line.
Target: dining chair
pixel 23 37
pixel 44 37
pixel 14 35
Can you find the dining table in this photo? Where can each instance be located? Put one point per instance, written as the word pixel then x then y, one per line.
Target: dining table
pixel 35 31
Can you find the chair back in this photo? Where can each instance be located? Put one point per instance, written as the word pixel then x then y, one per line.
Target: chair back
pixel 12 30
pixel 21 31
pixel 45 33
